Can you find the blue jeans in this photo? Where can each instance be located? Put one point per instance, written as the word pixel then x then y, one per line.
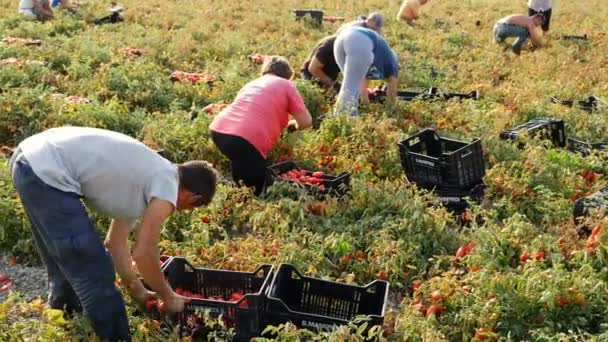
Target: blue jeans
pixel 503 31
pixel 80 270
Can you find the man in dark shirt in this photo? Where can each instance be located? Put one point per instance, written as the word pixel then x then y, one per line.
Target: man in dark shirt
pixel 321 66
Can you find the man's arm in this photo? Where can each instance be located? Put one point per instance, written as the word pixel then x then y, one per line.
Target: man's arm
pixel 145 253
pixel 316 70
pixel 363 91
pixel 117 243
pixel 44 11
pixel 534 36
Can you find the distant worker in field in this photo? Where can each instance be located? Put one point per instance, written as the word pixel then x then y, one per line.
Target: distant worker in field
pixel 410 10
pixel 57 170
pixel 363 54
pixel 521 27
pixel 321 65
pixel 246 130
pixel 42 9
pixel 543 7
pixel 374 21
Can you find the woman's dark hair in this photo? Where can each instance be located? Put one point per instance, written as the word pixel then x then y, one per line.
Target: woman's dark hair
pixel 200 178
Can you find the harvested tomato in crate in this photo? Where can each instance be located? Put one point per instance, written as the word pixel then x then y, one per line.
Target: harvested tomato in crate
pixel 237 296
pixel 316 182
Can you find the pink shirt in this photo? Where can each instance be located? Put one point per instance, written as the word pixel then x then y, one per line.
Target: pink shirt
pixel 260 112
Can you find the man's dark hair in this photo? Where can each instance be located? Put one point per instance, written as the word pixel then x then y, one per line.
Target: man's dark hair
pixel 200 178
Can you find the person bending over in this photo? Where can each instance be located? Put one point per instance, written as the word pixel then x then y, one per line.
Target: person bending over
pixel 374 21
pixel 543 7
pixel 363 54
pixel 521 27
pixel 246 130
pixel 57 170
pixel 321 65
pixel 410 10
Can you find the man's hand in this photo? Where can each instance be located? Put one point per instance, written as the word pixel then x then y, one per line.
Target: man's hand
pixel 292 126
pixel 173 304
pixel 141 295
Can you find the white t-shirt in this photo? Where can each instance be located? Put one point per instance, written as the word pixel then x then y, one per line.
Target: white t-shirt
pixel 540 5
pixel 115 174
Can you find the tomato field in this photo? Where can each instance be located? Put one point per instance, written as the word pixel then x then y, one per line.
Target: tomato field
pixel 515 266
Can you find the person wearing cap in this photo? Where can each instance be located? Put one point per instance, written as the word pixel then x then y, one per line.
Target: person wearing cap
pixel 246 130
pixel 541 7
pixel 55 171
pixel 374 21
pixel 410 10
pixel 521 27
pixel 321 66
pixel 363 54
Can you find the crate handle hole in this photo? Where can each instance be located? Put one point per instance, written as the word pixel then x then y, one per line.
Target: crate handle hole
pixel 295 275
pixel 371 289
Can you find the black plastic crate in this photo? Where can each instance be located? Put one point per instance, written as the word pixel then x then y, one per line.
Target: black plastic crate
pixel 589 104
pixel 317 304
pixel 244 314
pixel 585 148
pixel 432 161
pixel 544 128
pixel 456 200
pixel 332 185
pixel 598 200
pixel 473 95
pixel 316 16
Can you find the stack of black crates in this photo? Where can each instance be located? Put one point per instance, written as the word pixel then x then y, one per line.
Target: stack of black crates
pixel 453 169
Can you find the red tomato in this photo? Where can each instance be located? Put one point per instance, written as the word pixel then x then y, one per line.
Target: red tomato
pixel 524 257
pixel 434 310
pixel 540 256
pixel 360 255
pixel 179 291
pixel 187 294
pixel 244 304
pixel 318 174
pixel 198 296
pixel 150 303
pixel 596 230
pixel 420 308
pixel 4 278
pixel 469 247
pixel 205 219
pixel 6 286
pixel 382 275
pixel 461 252
pixel 436 296
pixel 236 295
pixel 160 305
pixel 346 259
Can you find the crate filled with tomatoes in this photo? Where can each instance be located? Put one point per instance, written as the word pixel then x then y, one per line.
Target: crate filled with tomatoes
pixel 316 182
pixel 238 297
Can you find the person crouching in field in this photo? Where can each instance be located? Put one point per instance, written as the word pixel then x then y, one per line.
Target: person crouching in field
pixel 363 54
pixel 41 9
pixel 543 7
pixel 117 176
pixel 410 10
pixel 519 26
pixel 246 130
pixel 321 66
pixel 374 21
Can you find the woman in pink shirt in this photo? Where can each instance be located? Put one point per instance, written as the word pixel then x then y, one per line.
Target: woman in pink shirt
pixel 246 130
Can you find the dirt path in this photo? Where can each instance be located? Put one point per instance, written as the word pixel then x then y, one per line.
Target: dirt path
pixel 30 282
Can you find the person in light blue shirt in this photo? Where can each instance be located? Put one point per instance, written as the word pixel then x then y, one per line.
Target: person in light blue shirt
pixel 41 9
pixel 363 54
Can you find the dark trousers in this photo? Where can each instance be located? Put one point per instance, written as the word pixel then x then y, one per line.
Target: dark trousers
pixel 247 163
pixel 80 270
pixel 547 15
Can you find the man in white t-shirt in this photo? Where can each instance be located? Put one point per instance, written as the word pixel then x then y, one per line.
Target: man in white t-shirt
pixel 410 10
pixel 543 7
pixel 116 176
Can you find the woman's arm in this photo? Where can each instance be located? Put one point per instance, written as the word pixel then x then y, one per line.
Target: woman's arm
pixel 393 83
pixel 302 120
pixel 44 11
pixel 364 96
